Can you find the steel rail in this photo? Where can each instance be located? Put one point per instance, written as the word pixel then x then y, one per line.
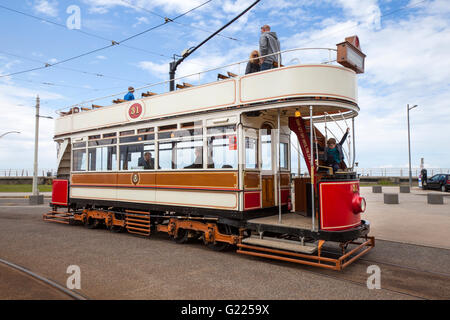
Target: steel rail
pixel 72 294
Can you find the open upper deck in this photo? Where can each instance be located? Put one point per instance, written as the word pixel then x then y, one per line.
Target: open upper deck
pixel 331 89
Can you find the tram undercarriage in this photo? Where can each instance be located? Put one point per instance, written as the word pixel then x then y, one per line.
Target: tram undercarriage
pixel 292 241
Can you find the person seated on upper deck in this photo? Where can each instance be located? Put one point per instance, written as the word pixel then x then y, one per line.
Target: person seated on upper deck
pixel 147 162
pixel 254 64
pixel 198 162
pixel 333 152
pixel 129 96
pixel 269 44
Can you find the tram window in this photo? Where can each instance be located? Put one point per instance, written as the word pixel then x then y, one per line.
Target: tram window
pixel 222 129
pixel 79 160
pixel 181 154
pixel 79 145
pixel 251 153
pixel 180 133
pixel 145 130
pixel 283 155
pixel 109 135
pixel 94 137
pixel 126 133
pixel 102 142
pixel 222 152
pixel 102 159
pixel 145 137
pixel 132 156
pixel 266 150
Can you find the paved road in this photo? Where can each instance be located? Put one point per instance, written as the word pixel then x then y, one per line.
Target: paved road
pixel 122 266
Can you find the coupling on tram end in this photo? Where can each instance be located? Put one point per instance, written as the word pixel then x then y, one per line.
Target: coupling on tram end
pixel 212 163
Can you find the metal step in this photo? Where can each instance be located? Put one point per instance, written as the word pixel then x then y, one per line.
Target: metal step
pixel 283 244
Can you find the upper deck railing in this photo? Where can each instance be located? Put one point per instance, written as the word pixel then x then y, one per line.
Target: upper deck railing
pixel 290 55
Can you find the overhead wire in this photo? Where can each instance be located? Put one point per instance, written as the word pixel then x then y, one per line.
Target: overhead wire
pixel 72 69
pixel 176 22
pixel 113 43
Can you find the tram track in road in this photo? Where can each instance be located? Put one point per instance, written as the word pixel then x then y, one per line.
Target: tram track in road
pixel 41 284
pixel 399 278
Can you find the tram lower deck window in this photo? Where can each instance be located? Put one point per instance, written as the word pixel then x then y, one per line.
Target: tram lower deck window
pixel 181 154
pixel 222 152
pixel 251 153
pixel 102 159
pixel 79 160
pixel 133 156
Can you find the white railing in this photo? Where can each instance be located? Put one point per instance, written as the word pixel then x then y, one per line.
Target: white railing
pixel 290 55
pixel 27 172
pixel 382 172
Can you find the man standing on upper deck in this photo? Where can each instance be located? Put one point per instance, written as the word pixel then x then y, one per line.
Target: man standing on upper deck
pixel 268 44
pixel 129 96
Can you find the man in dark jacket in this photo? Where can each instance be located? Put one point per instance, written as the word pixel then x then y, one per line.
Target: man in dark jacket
pixel 147 162
pixel 333 152
pixel 268 44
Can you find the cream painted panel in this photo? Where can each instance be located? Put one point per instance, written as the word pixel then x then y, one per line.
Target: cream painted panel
pixel 138 195
pixel 210 96
pixel 63 124
pixel 214 200
pixel 303 80
pixel 93 193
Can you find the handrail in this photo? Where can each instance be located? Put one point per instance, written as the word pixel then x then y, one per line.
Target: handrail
pixel 193 74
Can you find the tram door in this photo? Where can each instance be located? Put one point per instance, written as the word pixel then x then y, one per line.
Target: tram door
pixel 267 166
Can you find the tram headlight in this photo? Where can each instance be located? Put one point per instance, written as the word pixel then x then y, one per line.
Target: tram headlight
pixel 358 204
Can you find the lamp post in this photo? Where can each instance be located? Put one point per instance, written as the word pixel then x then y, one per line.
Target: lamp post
pixel 409 143
pixel 36 198
pixel 1 136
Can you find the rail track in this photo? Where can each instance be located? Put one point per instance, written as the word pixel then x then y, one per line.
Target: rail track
pixel 72 294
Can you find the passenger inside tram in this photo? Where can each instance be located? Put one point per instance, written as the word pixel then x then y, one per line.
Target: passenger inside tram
pixel 198 162
pixel 334 155
pixel 148 162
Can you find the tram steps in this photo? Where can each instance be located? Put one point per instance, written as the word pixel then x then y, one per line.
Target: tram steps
pixel 138 223
pixel 282 244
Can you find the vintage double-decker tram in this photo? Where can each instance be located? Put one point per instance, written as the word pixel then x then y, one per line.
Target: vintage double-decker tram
pixel 212 162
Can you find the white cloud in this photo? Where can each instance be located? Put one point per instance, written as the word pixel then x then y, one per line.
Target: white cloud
pixel 47 7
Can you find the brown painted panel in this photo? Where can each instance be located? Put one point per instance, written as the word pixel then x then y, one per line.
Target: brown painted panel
pixel 252 180
pixel 198 179
pixel 94 178
pixel 268 197
pixel 285 178
pixel 144 178
pixel 300 194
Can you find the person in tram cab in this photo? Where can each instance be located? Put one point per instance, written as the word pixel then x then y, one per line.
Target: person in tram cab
pixel 198 162
pixel 269 44
pixel 334 155
pixel 254 64
pixel 147 162
pixel 129 96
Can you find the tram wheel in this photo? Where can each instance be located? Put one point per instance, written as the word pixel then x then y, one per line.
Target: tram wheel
pixel 182 236
pixel 220 246
pixel 91 223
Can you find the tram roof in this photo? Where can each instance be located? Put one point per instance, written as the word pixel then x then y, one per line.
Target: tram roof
pixel 330 89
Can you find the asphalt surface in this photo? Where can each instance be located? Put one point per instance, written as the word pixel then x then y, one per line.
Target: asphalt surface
pixel 16 285
pixel 123 266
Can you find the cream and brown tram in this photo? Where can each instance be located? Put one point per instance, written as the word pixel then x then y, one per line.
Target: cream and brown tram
pixel 212 162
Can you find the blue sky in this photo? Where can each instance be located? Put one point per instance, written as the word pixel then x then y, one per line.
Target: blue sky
pixel 407 45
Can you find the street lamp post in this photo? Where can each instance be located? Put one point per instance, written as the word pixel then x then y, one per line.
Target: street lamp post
pixel 36 198
pixel 409 143
pixel 1 136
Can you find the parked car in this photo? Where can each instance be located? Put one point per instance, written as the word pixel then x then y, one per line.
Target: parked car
pixel 438 182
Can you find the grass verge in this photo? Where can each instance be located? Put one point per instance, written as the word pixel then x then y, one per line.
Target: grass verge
pixel 23 188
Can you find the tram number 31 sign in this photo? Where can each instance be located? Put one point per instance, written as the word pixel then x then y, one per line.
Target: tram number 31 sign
pixel 135 111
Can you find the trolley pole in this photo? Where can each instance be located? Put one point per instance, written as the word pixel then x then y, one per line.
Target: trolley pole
pixel 311 161
pixel 36 198
pixel 409 143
